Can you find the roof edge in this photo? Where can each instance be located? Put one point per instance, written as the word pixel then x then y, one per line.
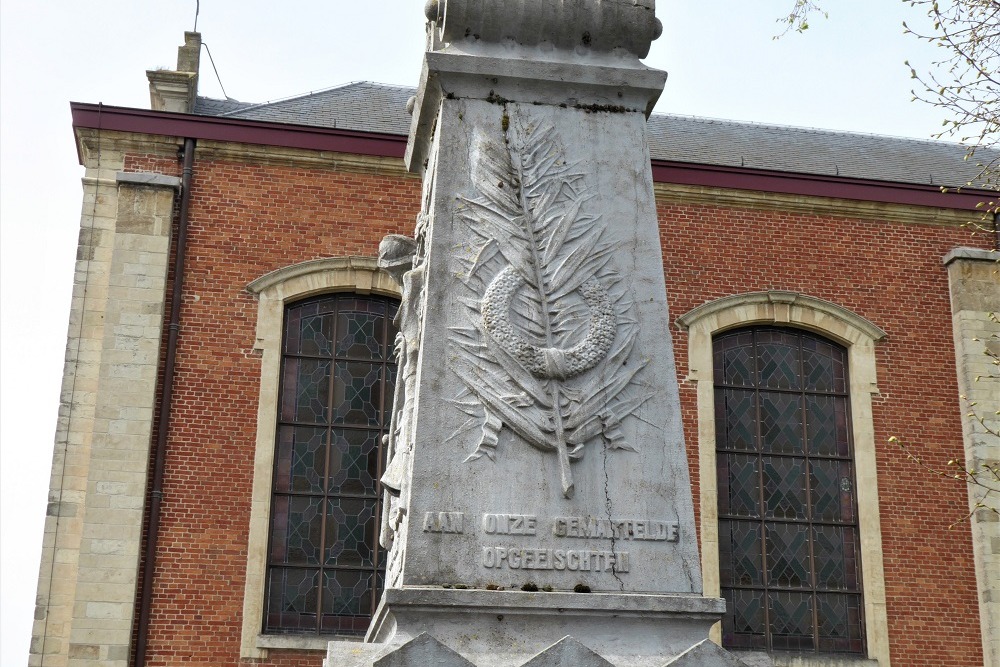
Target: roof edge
pixel 286 135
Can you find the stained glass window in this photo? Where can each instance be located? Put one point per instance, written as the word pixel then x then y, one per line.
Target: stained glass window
pixel 338 373
pixel 789 553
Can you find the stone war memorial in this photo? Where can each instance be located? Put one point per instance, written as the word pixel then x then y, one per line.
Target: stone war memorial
pixel 538 509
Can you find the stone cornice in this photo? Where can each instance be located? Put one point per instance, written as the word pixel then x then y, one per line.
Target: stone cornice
pixel 974 254
pixel 89 139
pixel 296 157
pixel 670 193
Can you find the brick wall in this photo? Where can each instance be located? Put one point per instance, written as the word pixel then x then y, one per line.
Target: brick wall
pixel 890 273
pixel 248 220
pixel 245 221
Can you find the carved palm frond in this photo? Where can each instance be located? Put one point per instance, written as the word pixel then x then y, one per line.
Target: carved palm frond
pixel 549 349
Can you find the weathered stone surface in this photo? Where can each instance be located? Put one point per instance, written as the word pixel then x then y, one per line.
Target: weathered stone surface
pixel 87 581
pixel 706 654
pixel 423 651
pixel 544 443
pixel 508 628
pixel 567 652
pixel 538 482
pixel 974 281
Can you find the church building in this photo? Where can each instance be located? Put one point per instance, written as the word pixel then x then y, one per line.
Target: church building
pixel 230 376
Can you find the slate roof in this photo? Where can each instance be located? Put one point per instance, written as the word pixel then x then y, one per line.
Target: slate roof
pixel 372 107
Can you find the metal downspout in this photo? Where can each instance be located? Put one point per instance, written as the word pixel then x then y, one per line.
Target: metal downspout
pixel 156 493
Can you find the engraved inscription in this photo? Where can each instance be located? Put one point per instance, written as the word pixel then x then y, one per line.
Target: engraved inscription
pixel 516 558
pixel 444 522
pixel 628 529
pixel 510 524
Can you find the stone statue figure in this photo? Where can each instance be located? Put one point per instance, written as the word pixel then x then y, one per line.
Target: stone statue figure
pixel 398 256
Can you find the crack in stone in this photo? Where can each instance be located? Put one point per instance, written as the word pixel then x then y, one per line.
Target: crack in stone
pixel 607 506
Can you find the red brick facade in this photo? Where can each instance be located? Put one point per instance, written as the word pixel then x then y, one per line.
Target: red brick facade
pixel 249 219
pixel 265 196
pixel 890 273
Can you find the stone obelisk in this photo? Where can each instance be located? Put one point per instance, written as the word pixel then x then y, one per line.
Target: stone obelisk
pixel 538 508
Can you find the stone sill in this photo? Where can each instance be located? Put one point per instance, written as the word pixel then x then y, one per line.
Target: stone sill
pixel 621 604
pixel 300 642
pixel 759 659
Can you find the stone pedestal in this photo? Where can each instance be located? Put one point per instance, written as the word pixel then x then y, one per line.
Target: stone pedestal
pixel 538 501
pixel 501 628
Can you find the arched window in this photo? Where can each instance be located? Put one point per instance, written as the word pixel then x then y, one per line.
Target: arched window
pixel 789 548
pixel 324 565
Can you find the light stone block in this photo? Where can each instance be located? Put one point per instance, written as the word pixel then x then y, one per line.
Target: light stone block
pixel 974 280
pixel 94 537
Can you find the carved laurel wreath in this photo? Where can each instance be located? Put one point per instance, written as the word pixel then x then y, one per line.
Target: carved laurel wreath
pixel 548 349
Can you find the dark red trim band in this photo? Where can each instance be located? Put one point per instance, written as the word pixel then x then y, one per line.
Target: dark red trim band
pixel 839 187
pixel 214 128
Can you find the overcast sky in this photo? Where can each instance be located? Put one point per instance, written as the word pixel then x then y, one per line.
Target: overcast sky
pixel 845 73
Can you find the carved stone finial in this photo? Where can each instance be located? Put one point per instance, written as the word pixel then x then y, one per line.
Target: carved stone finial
pixel 431 10
pixel 596 25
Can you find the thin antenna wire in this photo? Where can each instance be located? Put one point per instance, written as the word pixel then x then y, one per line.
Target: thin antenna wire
pixel 197 8
pixel 217 77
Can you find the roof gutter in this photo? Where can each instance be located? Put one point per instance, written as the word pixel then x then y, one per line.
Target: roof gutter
pixel 166 400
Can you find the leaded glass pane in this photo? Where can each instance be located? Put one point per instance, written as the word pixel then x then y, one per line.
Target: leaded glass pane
pixel 739 485
pixel 300 460
pixel 306 391
pixel 788 537
pixel 743 625
pixel 740 553
pixel 316 333
pixel 791 620
pixel 351 527
pixel 357 393
pixel 836 559
pixel 832 490
pixel 347 595
pixel 823 366
pixel 788 555
pixel 840 627
pixel 297 524
pixel 734 360
pixel 778 360
pixel 826 425
pixel 780 423
pixel 736 419
pixel 292 598
pixel 354 462
pixel 361 329
pixel 325 566
pixel 784 487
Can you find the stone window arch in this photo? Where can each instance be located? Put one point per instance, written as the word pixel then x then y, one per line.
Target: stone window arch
pixel 275 291
pixel 858 336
